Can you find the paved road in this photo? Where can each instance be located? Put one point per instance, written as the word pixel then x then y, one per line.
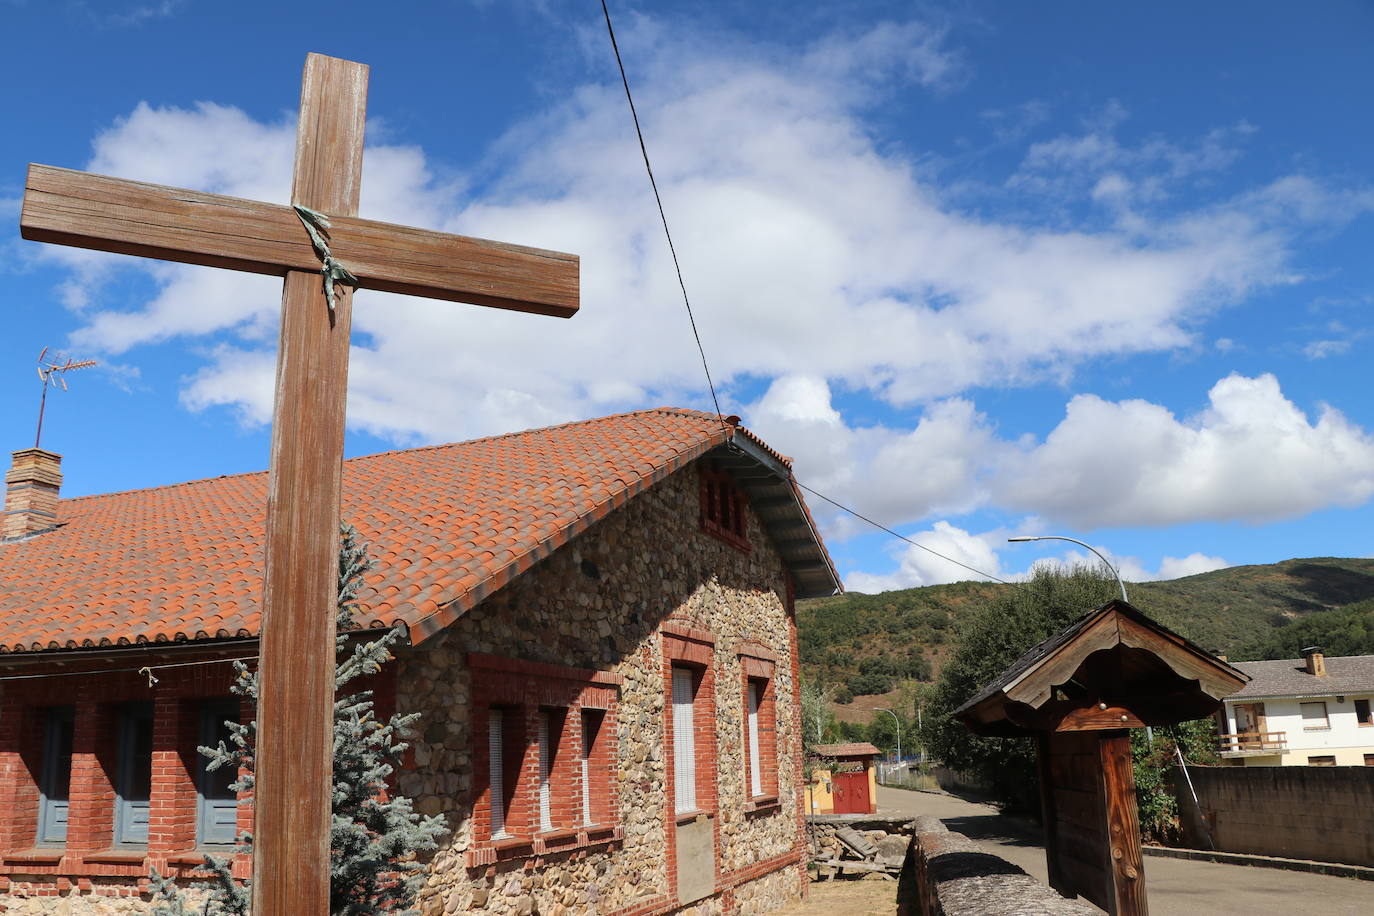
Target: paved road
pixel 1176 887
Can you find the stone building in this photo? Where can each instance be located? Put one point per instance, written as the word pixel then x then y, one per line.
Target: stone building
pixel 602 643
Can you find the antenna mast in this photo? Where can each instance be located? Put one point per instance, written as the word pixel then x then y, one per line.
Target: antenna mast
pixel 52 370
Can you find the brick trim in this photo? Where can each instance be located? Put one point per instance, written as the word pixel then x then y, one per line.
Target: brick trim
pixel 681 629
pixel 525 689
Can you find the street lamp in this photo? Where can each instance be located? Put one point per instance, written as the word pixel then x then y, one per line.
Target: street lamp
pixel 899 730
pixel 1149 732
pixel 1060 537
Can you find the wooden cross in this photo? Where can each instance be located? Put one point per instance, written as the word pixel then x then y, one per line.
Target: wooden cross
pixel 296 668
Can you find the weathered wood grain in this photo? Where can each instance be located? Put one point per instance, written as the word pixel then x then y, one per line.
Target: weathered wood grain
pixel 295 744
pixel 80 209
pixel 1123 827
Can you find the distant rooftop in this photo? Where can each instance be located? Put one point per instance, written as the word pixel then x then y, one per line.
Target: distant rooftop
pixel 1288 677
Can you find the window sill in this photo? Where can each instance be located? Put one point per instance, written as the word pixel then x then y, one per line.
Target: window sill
pixel 116 856
pixel 553 842
pixel 195 858
pixel 762 804
pixel 1317 728
pixel 35 857
pixel 686 817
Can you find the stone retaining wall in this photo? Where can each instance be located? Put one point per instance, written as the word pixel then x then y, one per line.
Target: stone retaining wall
pixel 947 874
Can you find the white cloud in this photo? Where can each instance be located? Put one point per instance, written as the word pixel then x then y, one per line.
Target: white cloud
pixel 1252 455
pixel 922 567
pixel 1191 565
pixel 937 467
pixel 1113 171
pixel 805 244
pixel 951 554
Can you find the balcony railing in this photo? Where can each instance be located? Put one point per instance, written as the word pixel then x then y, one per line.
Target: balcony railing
pixel 1253 743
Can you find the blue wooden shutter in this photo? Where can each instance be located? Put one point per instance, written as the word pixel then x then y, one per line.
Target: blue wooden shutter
pixel 56 775
pixel 134 782
pixel 218 804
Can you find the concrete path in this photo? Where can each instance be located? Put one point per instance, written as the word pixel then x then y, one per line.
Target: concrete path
pixel 1176 887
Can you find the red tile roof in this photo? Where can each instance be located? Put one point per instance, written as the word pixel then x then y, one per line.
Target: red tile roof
pixel 447 525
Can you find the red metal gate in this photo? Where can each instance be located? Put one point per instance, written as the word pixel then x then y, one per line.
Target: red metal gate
pixel 851 793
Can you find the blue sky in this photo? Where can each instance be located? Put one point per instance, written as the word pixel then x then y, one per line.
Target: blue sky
pixel 981 269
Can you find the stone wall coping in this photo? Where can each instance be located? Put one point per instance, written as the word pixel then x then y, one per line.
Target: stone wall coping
pixel 902 822
pixel 955 875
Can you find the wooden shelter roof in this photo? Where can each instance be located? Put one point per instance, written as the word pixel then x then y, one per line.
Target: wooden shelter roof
pixel 1113 667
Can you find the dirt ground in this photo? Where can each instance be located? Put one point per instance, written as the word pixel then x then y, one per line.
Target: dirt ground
pixel 868 896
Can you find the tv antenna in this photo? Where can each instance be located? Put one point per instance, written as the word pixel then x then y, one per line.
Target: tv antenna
pixel 52 369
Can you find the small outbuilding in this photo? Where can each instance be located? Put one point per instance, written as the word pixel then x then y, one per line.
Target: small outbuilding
pixel 1079 693
pixel 847 783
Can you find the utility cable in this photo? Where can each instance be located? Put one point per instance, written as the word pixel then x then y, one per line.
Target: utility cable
pixel 662 215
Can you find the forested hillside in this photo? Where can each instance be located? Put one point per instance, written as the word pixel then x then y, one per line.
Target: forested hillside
pixel 1344 631
pixel 864 644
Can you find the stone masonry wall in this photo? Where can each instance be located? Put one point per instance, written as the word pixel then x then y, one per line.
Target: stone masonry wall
pixel 598 604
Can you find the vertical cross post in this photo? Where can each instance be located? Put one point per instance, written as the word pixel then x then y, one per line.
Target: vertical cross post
pixel 294 753
pixel 293 790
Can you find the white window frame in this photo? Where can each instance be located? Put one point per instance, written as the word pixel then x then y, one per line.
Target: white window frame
pixel 545 771
pixel 684 696
pixel 755 700
pixel 591 727
pixel 496 770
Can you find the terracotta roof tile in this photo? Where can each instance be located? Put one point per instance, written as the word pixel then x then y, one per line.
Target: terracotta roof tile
pixel 449 524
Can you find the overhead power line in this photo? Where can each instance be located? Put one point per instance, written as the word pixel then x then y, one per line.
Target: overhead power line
pixel 662 215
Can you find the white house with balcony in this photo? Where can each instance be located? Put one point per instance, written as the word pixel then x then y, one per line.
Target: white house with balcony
pixel 1312 711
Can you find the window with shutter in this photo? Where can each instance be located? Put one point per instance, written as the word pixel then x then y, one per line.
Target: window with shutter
pixel 684 740
pixel 55 781
pixel 134 775
pixel 218 803
pixel 1314 717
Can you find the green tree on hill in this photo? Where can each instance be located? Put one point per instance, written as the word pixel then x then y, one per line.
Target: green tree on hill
pixel 1343 631
pixel 990 638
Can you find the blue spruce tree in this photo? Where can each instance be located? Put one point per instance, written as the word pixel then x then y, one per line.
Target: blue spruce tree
pixel 375 835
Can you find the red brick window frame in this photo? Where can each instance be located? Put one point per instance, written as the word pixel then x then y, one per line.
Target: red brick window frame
pixel 723 508
pixel 760 726
pixel 689 685
pixel 551 792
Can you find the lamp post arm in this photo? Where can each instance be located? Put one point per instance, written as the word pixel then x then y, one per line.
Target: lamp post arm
pixel 1060 537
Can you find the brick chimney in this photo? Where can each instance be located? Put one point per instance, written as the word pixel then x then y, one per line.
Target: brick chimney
pixel 1316 663
pixel 31 488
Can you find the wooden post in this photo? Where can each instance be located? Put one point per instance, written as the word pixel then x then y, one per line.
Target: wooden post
pixel 1123 825
pixel 294 784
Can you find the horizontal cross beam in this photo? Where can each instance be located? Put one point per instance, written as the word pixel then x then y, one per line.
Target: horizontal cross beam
pixel 132 217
